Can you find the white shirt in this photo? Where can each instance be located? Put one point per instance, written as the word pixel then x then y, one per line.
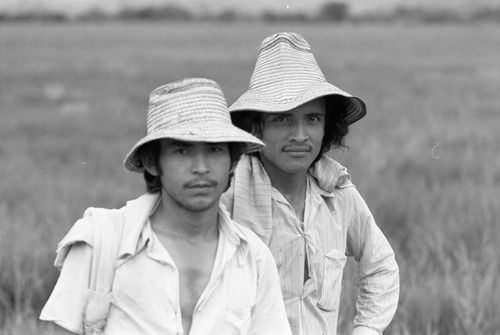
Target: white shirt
pixel 242 297
pixel 337 224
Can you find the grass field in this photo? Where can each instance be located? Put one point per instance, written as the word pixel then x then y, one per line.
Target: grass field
pixel 73 99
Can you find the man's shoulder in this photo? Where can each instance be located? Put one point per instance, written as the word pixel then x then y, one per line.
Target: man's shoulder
pixel 252 238
pixel 83 229
pixel 103 213
pixel 254 248
pixel 99 216
pixel 243 233
pixel 129 218
pixel 330 175
pixel 95 220
pixel 136 209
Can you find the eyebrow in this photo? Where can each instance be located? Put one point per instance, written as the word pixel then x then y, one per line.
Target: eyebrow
pixel 319 115
pixel 316 113
pixel 180 143
pixel 279 114
pixel 291 114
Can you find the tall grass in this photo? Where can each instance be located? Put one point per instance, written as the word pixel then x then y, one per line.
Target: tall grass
pixel 74 98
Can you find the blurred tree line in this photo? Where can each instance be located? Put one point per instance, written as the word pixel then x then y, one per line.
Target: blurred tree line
pixel 333 11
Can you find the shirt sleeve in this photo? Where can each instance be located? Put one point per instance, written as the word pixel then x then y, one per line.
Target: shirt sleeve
pixel 74 258
pixel 268 314
pixel 377 276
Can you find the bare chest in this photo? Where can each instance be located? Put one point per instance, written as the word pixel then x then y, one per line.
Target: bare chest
pixel 194 263
pixel 192 282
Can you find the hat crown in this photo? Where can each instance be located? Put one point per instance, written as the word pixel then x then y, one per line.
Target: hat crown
pixel 190 103
pixel 286 65
pixel 287 75
pixel 191 110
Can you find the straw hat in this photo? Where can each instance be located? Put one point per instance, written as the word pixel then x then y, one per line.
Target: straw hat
pixel 194 110
pixel 286 76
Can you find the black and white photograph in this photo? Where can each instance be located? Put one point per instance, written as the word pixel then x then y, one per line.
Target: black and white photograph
pixel 323 167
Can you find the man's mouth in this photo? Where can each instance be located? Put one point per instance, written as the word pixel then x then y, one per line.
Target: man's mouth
pixel 201 184
pixel 297 149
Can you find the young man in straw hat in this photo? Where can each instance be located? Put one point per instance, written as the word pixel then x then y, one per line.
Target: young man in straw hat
pixel 301 202
pixel 172 261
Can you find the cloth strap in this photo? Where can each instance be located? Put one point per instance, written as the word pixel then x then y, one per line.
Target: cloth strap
pixel 105 248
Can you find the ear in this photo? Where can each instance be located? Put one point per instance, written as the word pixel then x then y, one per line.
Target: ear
pixel 257 130
pixel 150 165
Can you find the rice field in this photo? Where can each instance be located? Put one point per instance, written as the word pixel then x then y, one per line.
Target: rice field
pixel 73 100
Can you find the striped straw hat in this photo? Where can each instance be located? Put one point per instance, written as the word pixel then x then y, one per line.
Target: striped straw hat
pixel 286 76
pixel 193 110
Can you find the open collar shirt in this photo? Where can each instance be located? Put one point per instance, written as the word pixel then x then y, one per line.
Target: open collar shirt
pixel 337 224
pixel 242 297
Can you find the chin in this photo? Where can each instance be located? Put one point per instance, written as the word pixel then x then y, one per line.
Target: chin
pixel 200 206
pixel 297 165
pixel 295 169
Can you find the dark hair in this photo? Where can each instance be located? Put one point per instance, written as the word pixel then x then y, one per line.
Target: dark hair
pixel 151 152
pixel 336 125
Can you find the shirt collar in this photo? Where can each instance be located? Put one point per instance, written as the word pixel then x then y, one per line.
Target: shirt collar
pixel 316 191
pixel 135 237
pixel 313 188
pixel 330 174
pixel 233 232
pixel 137 213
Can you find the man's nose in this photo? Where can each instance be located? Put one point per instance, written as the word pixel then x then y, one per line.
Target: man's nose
pixel 299 132
pixel 200 164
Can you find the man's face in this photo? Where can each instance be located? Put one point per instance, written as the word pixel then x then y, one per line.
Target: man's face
pixel 195 174
pixel 293 139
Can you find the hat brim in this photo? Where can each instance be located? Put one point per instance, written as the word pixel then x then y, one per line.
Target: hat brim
pixel 217 133
pixel 253 100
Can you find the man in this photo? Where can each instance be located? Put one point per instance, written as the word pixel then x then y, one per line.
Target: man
pixel 179 264
pixel 301 202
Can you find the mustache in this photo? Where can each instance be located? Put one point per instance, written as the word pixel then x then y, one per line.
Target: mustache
pixel 200 183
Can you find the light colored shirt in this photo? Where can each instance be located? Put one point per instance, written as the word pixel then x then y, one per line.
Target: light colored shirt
pixel 242 297
pixel 337 224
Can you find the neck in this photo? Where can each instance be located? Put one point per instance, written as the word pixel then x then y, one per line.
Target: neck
pixel 292 186
pixel 286 182
pixel 183 223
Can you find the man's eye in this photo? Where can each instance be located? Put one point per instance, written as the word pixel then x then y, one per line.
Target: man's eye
pixel 180 151
pixel 216 149
pixel 315 118
pixel 280 119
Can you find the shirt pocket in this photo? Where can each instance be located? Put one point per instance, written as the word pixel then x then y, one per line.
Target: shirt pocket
pixel 329 288
pixel 237 320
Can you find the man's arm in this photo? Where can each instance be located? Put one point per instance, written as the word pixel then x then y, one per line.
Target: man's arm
pixel 68 299
pixel 377 276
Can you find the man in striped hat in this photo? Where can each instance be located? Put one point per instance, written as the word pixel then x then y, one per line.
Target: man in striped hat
pixel 301 202
pixel 172 261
